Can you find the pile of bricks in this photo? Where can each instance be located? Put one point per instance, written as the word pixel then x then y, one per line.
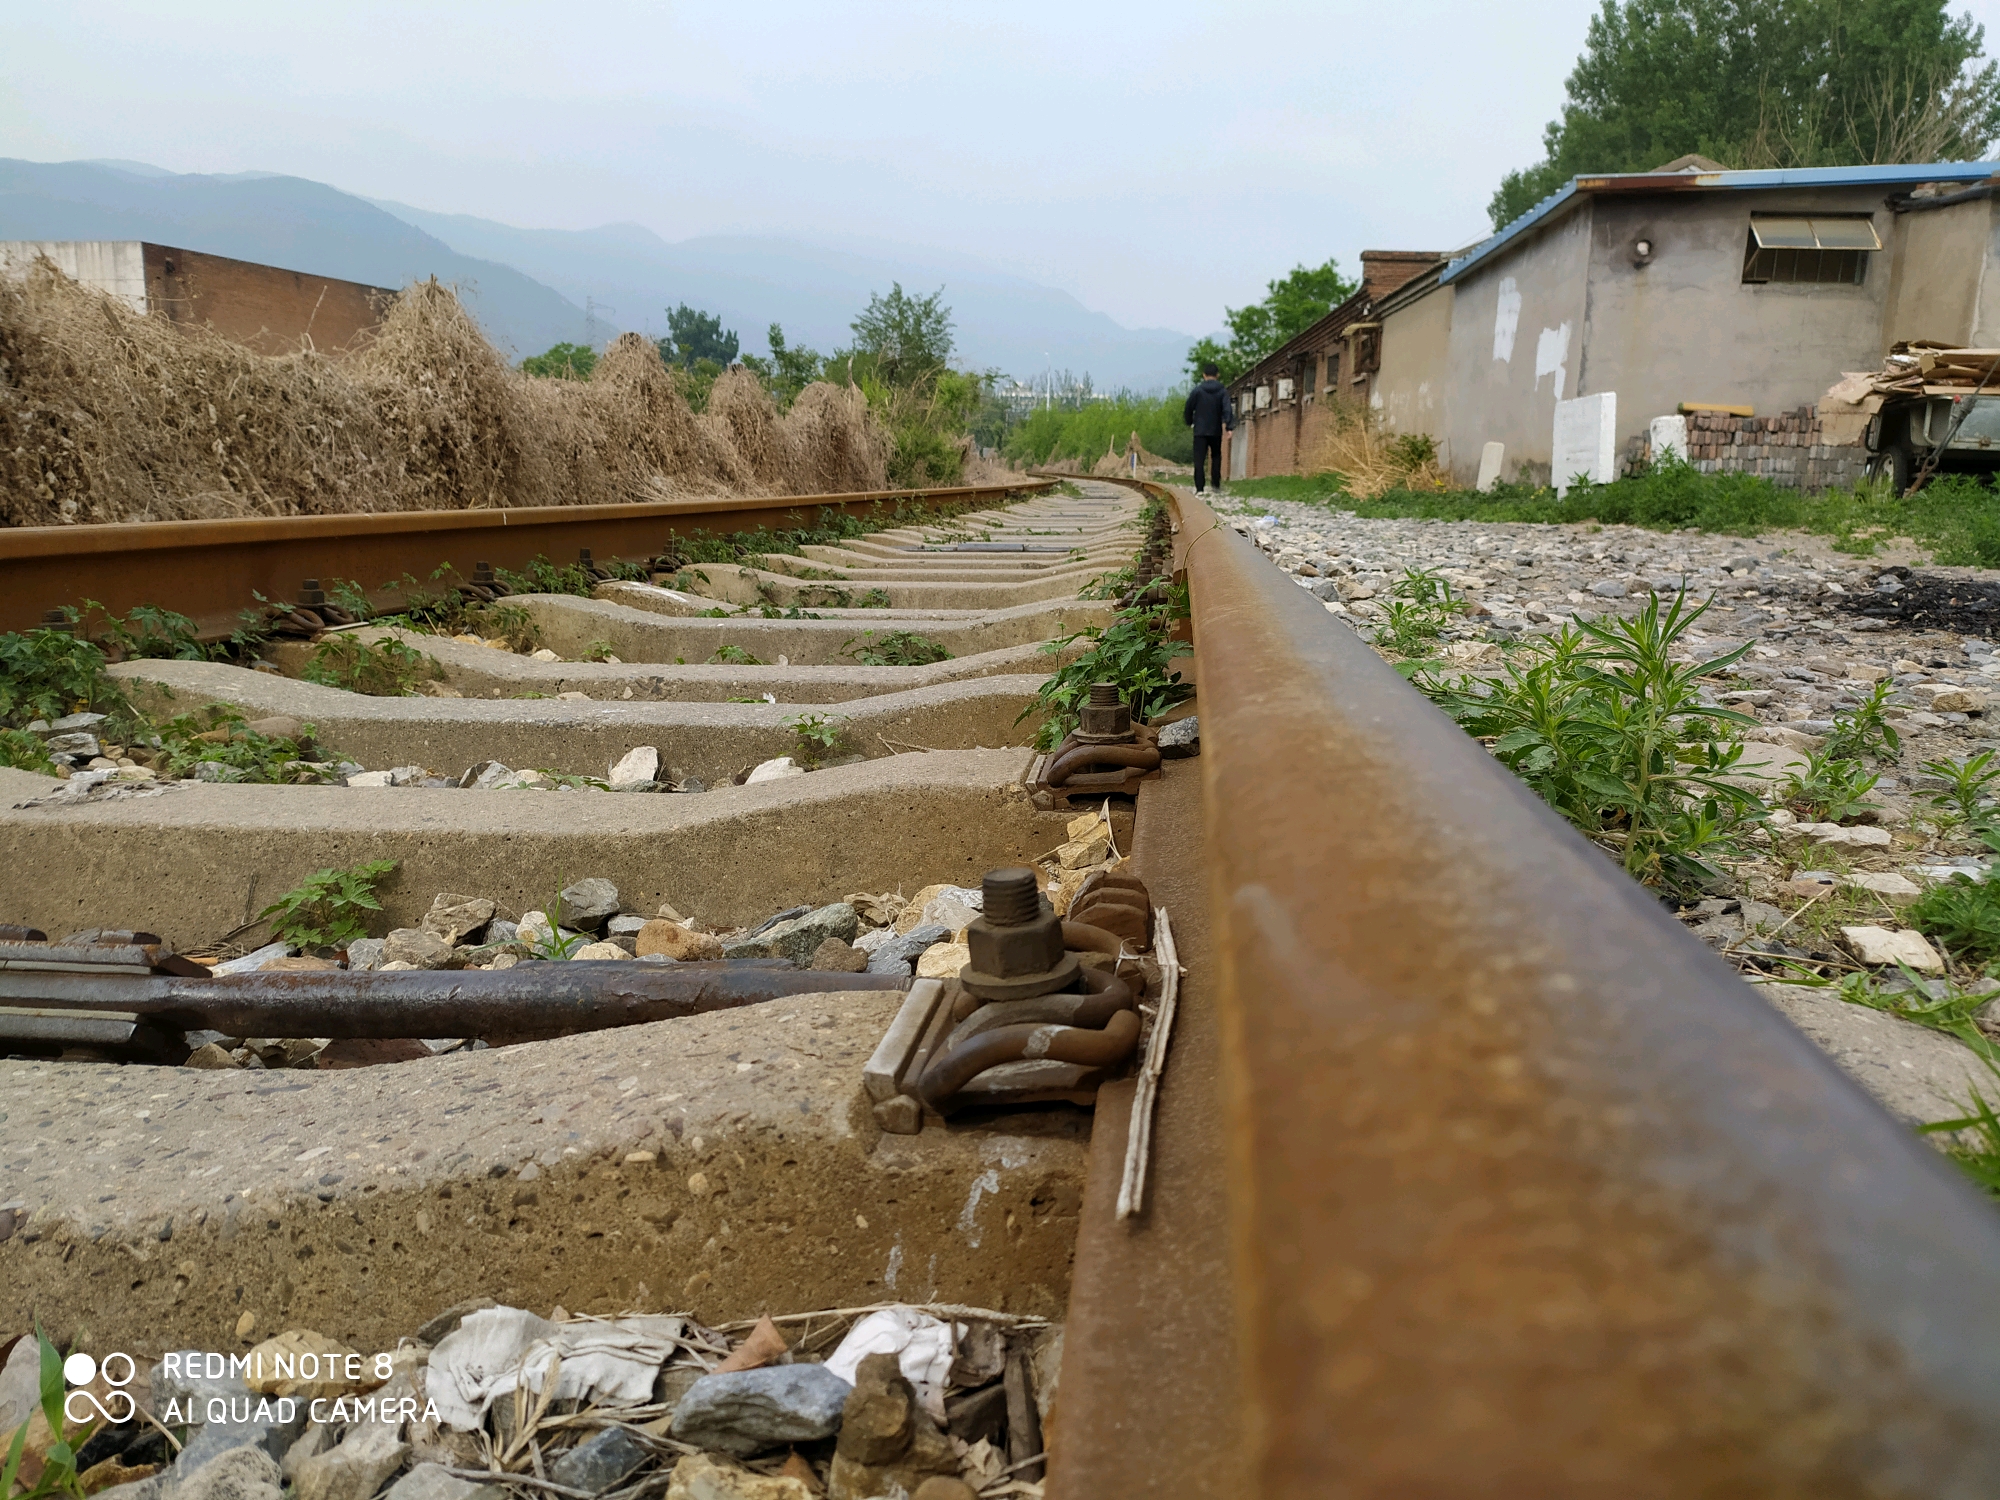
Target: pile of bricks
pixel 1786 449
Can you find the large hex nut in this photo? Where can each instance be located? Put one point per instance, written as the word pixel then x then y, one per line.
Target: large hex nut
pixel 1015 952
pixel 1099 722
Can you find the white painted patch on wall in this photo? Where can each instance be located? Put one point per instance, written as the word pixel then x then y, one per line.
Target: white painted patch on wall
pixel 895 1267
pixel 968 1223
pixel 1552 357
pixel 1506 318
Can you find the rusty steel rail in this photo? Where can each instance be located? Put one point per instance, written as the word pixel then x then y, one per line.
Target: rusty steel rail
pixel 1529 1194
pixel 542 999
pixel 212 570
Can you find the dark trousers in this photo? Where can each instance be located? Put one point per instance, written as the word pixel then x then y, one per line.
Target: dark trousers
pixel 1211 449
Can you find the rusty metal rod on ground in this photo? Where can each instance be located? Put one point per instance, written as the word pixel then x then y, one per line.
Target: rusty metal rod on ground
pixel 1530 1194
pixel 539 999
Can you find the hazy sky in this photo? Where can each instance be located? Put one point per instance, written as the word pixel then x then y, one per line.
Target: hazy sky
pixel 1158 161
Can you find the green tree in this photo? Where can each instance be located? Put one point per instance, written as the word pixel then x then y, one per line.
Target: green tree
pixel 907 339
pixel 788 371
pixel 562 362
pixel 1292 304
pixel 1766 83
pixel 693 335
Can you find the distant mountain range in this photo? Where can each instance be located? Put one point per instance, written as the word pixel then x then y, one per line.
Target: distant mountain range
pixel 531 288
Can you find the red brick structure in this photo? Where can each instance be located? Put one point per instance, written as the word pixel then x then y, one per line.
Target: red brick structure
pixel 271 310
pixel 1282 401
pixel 1788 449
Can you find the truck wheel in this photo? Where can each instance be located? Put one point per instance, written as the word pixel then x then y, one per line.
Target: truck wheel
pixel 1897 464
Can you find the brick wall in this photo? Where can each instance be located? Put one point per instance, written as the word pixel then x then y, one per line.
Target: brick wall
pixel 1786 449
pixel 272 310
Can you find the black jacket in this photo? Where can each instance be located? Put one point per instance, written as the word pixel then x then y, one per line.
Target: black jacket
pixel 1209 409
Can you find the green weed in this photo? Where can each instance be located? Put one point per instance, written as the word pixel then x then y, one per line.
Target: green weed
pixel 1866 730
pixel 147 632
pixel 1968 784
pixel 1133 652
pixel 59 1472
pixel 1110 585
pixel 217 735
pixel 597 651
pixel 330 908
pixel 1975 1139
pixel 1954 513
pixel 24 752
pixel 385 669
pixel 819 736
pixel 899 648
pixel 1962 914
pixel 554 945
pixel 1608 727
pixel 540 576
pixel 513 624
pixel 45 674
pixel 1420 605
pixel 734 656
pixel 1829 789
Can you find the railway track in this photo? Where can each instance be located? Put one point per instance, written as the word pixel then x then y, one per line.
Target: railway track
pixel 1472 1172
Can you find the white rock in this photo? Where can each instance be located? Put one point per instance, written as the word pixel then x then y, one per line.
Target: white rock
pixel 371 778
pixel 600 950
pixel 534 930
pixel 1900 889
pixel 1879 945
pixel 642 764
pixel 1833 835
pixel 1949 698
pixel 454 917
pixel 943 960
pixel 250 963
pixel 774 770
pixel 545 654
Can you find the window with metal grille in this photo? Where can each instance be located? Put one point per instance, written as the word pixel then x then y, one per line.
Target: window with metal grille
pixel 1826 251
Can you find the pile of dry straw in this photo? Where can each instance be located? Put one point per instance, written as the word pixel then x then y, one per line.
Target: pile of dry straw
pixel 1371 461
pixel 107 415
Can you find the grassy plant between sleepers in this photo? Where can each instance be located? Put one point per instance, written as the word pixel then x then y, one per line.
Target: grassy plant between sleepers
pixel 1957 515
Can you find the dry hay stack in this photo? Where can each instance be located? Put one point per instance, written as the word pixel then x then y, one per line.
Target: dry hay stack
pixel 1371 462
pixel 109 415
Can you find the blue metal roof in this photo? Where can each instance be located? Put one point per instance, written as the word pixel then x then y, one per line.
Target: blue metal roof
pixel 1553 205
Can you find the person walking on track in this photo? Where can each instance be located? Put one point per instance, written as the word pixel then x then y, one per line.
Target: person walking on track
pixel 1209 413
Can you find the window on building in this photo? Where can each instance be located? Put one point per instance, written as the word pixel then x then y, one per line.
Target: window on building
pixel 1333 373
pixel 1825 251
